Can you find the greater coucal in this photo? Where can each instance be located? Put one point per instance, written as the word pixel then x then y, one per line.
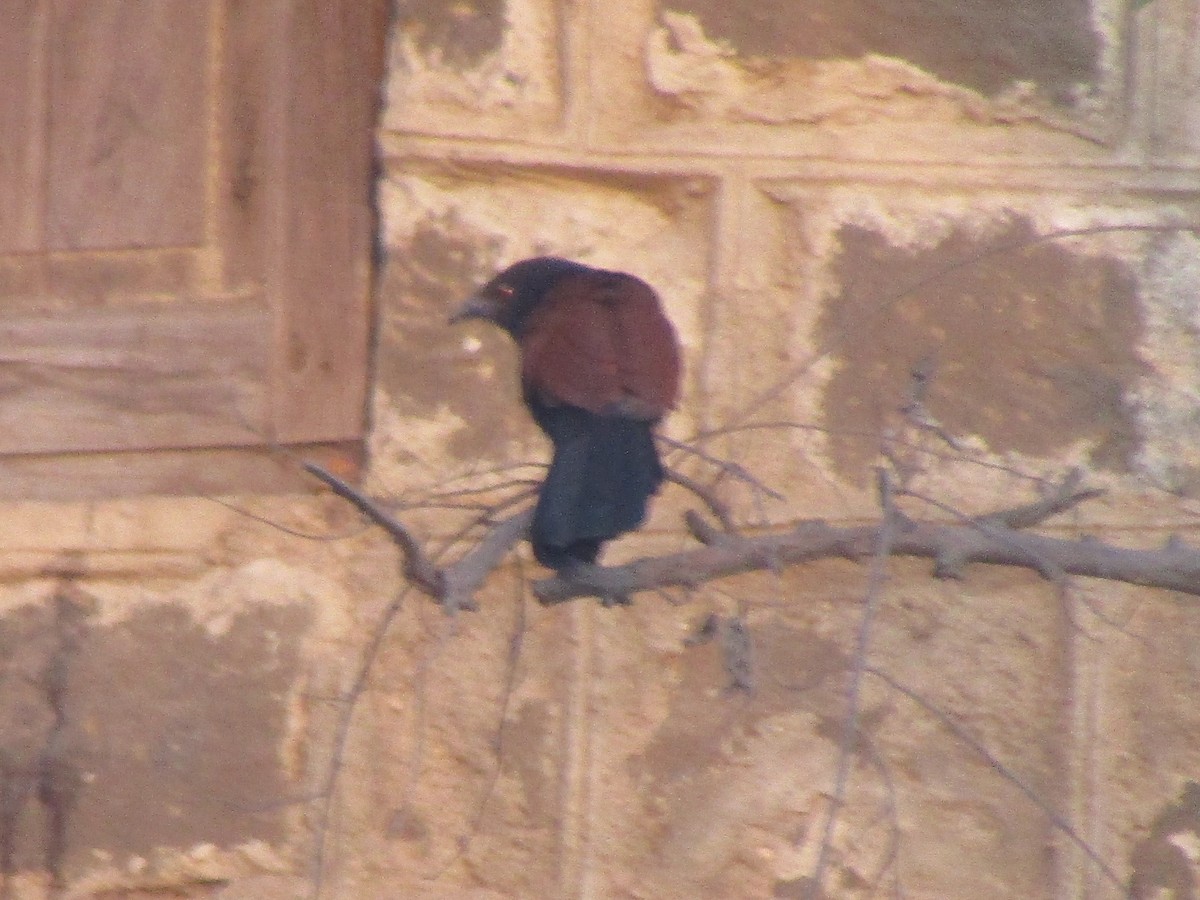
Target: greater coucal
pixel 599 368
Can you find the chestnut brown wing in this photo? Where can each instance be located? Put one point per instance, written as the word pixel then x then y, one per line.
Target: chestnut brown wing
pixel 600 341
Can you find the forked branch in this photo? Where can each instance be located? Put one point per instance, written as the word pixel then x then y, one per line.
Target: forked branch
pixel 997 537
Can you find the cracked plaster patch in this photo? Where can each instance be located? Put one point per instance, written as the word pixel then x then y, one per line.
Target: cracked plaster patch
pixel 1168 404
pixel 171 735
pixel 475 58
pixel 708 77
pixel 447 396
pixel 1033 344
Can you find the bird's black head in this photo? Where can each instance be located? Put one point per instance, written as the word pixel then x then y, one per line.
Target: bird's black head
pixel 509 297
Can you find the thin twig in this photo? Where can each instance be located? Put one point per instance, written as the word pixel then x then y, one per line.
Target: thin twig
pixel 888 528
pixel 719 509
pixel 1056 818
pixel 515 644
pixel 294 532
pixel 342 733
pixel 418 567
pixel 867 434
pixel 727 466
pixel 455 587
pixel 1067 495
pixel 891 858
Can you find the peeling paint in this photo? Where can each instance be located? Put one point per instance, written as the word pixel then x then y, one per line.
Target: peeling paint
pixel 472 56
pixel 986 47
pixel 708 77
pixel 1032 349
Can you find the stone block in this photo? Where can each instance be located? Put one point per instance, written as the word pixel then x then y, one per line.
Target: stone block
pixel 448 398
pixel 1046 334
pixel 701 789
pixel 863 80
pixel 1142 671
pixel 153 743
pixel 478 67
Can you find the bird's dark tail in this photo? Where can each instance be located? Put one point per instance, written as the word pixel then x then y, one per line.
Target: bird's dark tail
pixel 605 469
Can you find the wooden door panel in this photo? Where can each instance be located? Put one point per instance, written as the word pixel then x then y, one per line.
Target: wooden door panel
pixel 115 379
pixel 320 275
pixel 22 111
pixel 63 282
pixel 128 117
pixel 185 236
pixel 247 126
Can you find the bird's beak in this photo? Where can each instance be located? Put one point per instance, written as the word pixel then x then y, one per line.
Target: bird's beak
pixel 476 307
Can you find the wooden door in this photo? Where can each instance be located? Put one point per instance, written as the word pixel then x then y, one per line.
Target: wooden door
pixel 185 239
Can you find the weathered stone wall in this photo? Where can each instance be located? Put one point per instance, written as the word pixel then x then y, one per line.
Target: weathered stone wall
pixel 827 195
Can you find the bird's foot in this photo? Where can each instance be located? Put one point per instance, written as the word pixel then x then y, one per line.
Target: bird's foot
pixel 608 601
pixel 608 589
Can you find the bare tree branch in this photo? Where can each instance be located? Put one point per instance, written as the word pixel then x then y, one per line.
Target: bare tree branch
pixel 418 567
pixel 889 526
pixel 985 539
pixel 1063 498
pixel 994 537
pixel 461 579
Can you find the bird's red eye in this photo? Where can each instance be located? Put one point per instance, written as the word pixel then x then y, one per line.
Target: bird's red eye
pixel 505 291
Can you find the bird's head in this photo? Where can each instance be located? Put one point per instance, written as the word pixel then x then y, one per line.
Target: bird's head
pixel 509 297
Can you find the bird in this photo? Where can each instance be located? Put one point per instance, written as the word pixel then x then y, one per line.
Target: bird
pixel 600 367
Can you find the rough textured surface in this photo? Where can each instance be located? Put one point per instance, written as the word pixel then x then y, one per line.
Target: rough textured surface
pixel 153 684
pixel 1146 763
pixel 460 382
pixel 1030 346
pixel 978 44
pixel 1171 277
pixel 460 34
pixel 199 724
pixel 730 785
pixel 153 732
pixel 826 195
pixel 484 62
pixel 1163 860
